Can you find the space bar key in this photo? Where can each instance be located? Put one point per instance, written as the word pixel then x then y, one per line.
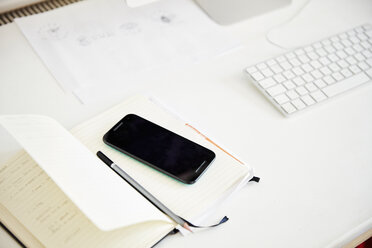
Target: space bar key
pixel 346 84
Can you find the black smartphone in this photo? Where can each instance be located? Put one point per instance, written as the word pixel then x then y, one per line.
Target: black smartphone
pixel 159 148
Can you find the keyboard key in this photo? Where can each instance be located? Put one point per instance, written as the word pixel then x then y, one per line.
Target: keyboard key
pixel 365 44
pixel 288 107
pixel 301 91
pixel 337 76
pixel 324 61
pixel 364 66
pixel 257 76
pixel 338 46
pixel 362 37
pixel 351 33
pixel 325 71
pixel 367 54
pixel 330 49
pixel 335 39
pixel 359 30
pixel 308 49
pixel 292 94
pixel 341 54
pixel 298 71
pixel 285 65
pixel 349 51
pixel 299 51
pixel 358 48
pixel 303 58
pixel 310 87
pixel 332 57
pixel 369 33
pixel 343 64
pixel 295 62
pixel 267 72
pixel 308 78
pixel 343 36
pixel 289 85
pixel 316 74
pixel 281 99
pixel 355 69
pixel 334 67
pixel 271 62
pixel 298 81
pixel 315 64
pixel 354 40
pixel 318 96
pixel 321 52
pixel 261 66
pixel 345 85
pixel 326 42
pixel 290 55
pixel 276 90
pixel 279 78
pixel 320 83
pixel 359 57
pixel 367 26
pixel 298 104
pixel 313 55
pixel 276 69
pixel 289 74
pixel 346 72
pixel 346 43
pixel 369 61
pixel 280 59
pixel 266 83
pixel 307 67
pixel 329 79
pixel 351 60
pixel 251 70
pixel 308 100
pixel 369 73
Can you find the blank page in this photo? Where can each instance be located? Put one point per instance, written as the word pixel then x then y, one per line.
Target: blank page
pixel 101 194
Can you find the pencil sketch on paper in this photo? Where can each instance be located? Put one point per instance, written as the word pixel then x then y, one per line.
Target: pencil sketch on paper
pixel 164 17
pixel 52 31
pixel 130 28
pixel 127 43
pixel 86 40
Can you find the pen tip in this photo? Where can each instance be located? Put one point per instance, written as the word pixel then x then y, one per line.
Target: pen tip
pixel 186 226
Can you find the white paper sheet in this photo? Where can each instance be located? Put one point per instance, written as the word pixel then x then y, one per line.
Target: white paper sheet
pixel 97 45
pixel 99 193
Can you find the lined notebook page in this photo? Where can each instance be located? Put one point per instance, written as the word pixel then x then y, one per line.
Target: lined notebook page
pixel 35 200
pixel 188 201
pixel 15 227
pixel 100 194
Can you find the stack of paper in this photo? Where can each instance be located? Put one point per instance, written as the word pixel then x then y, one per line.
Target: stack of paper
pixel 95 46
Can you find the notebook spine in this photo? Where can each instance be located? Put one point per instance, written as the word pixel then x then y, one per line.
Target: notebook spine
pixel 12 235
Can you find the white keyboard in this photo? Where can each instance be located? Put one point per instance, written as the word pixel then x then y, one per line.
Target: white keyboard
pixel 306 76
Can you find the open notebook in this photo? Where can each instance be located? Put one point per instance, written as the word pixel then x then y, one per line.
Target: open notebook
pixel 59 194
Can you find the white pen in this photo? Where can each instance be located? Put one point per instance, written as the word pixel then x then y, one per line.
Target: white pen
pixel 143 191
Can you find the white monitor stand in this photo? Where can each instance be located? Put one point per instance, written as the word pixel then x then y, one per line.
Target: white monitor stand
pixel 230 11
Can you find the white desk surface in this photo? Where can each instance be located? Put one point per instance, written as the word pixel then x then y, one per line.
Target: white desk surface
pixel 316 168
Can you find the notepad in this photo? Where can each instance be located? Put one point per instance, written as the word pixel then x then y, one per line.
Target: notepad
pixel 70 189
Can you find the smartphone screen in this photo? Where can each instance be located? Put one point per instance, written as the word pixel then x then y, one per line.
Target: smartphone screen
pixel 159 148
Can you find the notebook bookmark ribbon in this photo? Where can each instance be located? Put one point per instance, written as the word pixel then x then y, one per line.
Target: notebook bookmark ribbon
pixel 223 220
